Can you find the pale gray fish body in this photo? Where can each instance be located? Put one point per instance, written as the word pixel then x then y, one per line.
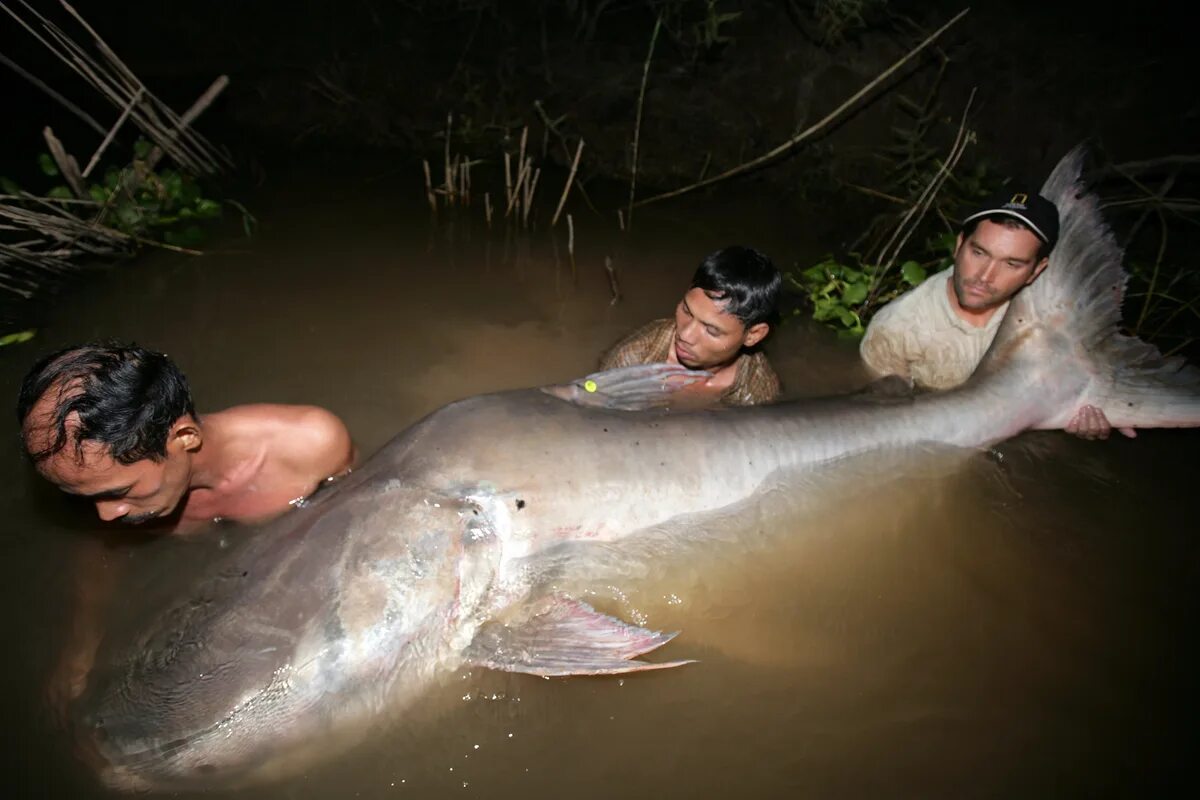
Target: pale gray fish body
pixel 438 552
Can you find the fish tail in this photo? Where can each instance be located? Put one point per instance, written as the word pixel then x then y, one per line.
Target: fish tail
pixel 1074 310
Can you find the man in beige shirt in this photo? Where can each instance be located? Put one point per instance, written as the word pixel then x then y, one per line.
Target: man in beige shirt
pixel 935 335
pixel 719 322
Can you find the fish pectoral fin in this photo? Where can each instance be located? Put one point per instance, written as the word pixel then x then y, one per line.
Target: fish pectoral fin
pixel 567 637
pixel 629 388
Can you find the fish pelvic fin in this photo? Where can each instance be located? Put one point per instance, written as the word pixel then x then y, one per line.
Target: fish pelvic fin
pixel 637 388
pixel 567 637
pixel 1074 310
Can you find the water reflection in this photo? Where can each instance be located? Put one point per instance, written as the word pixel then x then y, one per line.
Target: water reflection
pixel 1017 624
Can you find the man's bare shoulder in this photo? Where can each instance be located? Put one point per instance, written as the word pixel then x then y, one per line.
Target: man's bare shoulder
pixel 307 438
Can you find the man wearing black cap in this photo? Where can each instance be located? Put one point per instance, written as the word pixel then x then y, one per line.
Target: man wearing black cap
pixel 935 335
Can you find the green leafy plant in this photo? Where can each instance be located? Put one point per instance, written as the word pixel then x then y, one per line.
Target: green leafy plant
pixel 17 338
pixel 844 295
pixel 165 205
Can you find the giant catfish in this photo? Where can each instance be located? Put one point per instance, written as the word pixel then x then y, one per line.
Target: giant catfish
pixel 437 553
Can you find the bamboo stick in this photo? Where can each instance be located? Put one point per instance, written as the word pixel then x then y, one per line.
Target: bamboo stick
pixel 523 172
pixel 507 182
pixel 68 167
pixel 637 125
pixel 133 82
pixel 195 110
pixel 567 188
pixel 531 187
pixel 612 281
pixel 449 129
pixel 95 159
pixel 429 195
pixel 58 98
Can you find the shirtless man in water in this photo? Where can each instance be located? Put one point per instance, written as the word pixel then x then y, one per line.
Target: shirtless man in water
pixel 116 424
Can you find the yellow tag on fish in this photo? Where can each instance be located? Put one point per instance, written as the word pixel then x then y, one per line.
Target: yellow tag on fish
pixel 589 386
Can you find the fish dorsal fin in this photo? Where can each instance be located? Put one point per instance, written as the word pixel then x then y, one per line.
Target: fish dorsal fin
pixel 567 637
pixel 629 388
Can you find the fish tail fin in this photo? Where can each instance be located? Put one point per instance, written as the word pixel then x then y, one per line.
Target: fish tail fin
pixel 1075 308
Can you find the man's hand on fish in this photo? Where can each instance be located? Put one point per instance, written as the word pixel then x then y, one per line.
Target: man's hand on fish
pixel 1089 422
pixel 630 388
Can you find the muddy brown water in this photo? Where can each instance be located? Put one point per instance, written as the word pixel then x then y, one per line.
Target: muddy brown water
pixel 1020 626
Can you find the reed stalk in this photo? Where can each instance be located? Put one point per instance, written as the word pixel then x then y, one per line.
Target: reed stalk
pixel 613 287
pixel 507 181
pixel 429 195
pixel 566 189
pixel 637 125
pixel 530 188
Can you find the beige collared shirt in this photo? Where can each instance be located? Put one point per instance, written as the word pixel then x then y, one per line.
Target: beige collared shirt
pixel 918 336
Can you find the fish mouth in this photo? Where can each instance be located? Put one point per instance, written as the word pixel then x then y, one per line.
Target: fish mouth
pixel 142 764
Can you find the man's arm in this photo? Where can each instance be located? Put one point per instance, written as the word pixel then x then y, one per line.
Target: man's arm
pixel 94 571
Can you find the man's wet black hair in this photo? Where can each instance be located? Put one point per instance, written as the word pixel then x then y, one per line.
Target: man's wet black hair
pixel 126 398
pixel 745 280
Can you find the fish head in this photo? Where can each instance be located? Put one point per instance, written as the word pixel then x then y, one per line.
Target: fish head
pixel 291 654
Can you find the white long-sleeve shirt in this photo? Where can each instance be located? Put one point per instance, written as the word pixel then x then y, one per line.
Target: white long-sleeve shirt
pixel 918 336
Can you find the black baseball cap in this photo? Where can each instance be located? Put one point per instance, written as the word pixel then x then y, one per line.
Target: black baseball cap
pixel 1030 207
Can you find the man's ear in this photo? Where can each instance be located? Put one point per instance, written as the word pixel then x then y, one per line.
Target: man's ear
pixel 755 334
pixel 185 434
pixel 1041 265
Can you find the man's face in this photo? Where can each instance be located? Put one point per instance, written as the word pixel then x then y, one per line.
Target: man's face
pixel 706 336
pixel 993 263
pixel 129 493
